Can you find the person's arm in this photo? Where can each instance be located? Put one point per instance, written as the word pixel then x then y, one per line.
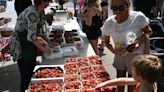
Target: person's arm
pixel 89 14
pixel 107 43
pixel 144 39
pixel 147 32
pixel 117 82
pixel 82 12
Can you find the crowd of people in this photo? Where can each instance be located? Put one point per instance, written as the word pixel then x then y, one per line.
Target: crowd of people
pixel 128 27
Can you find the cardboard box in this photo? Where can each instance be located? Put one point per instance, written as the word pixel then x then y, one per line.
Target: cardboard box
pixel 48 71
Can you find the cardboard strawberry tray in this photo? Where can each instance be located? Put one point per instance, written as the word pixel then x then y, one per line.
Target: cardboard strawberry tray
pixel 87 76
pixel 48 71
pixel 89 85
pixel 71 71
pixel 94 57
pixel 101 74
pixel 71 33
pixel 57 37
pixel 46 85
pixel 105 88
pixel 83 64
pixel 70 60
pixel 83 59
pixel 74 85
pixel 70 65
pixel 70 78
pixel 98 68
pixel 85 70
pixel 95 60
pixel 73 37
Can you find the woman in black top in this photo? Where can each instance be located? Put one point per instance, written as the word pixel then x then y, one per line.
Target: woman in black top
pixel 20 5
pixel 92 23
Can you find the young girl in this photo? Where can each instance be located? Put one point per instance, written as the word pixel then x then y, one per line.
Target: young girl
pixel 146 70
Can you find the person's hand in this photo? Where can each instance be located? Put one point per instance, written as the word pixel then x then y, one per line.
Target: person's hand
pixel 99 86
pixel 136 46
pixel 133 47
pixel 98 89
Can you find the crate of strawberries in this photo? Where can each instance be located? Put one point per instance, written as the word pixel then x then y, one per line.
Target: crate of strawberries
pixel 46 85
pixel 48 71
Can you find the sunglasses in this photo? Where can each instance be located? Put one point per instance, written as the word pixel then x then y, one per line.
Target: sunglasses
pixel 119 8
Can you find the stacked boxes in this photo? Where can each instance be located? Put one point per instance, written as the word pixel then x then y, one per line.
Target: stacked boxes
pixel 80 74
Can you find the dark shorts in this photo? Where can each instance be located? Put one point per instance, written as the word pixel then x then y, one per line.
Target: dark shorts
pixel 93 34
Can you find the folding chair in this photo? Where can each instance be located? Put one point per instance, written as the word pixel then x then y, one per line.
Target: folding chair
pixel 157 48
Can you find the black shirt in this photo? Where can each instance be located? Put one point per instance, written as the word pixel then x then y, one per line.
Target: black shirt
pixel 20 5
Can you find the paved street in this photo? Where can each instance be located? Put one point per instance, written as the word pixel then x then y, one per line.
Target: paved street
pixel 9 74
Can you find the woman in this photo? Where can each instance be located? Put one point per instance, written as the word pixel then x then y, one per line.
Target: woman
pixel 24 42
pixel 130 31
pixel 93 23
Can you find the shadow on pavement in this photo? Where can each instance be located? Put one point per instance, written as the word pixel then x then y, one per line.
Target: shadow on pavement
pixel 9 78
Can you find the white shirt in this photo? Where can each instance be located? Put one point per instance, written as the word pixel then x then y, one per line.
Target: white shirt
pixel 125 33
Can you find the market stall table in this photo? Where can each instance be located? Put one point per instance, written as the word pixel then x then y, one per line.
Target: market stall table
pixel 87 49
pixel 63 68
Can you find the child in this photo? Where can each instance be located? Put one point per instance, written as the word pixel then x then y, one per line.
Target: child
pixel 146 70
